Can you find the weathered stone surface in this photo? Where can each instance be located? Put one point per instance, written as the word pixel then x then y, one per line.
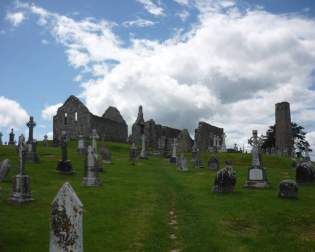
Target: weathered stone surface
pixel 225 180
pixel 5 166
pixel 288 189
pixel 205 134
pixel 213 163
pixel 1 138
pixel 66 229
pixel 11 138
pixel 304 173
pixel 182 164
pixel 21 191
pixel 81 145
pixel 257 177
pixel 75 118
pixel 91 177
pixel 184 141
pixel 105 154
pixel 283 130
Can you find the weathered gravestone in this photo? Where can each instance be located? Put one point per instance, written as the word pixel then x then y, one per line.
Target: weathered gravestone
pixel 64 165
pixel 105 154
pixel 304 173
pixel 21 183
pixel 95 136
pixel 256 177
pixel 182 164
pixel 81 145
pixel 31 153
pixel 174 156
pixel 288 189
pixel 225 180
pixel 66 229
pixel 1 138
pixel 197 162
pixel 11 138
pixel 5 166
pixel 133 153
pixel 213 163
pixel 143 153
pixel 91 175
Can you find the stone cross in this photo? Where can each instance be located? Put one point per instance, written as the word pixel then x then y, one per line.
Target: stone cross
pixel 66 229
pixel 91 178
pixel 31 125
pixel 94 137
pixel 63 145
pixel 255 141
pixel 45 139
pixel 11 137
pixel 1 138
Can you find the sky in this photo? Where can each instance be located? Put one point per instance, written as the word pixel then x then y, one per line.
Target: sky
pixel 226 62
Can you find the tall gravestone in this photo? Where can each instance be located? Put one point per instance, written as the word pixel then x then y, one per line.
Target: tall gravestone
pixel 64 165
pixel 91 175
pixel 133 153
pixel 45 141
pixel 66 229
pixel 223 146
pixel 31 153
pixel 95 137
pixel 1 143
pixel 257 177
pixel 174 156
pixel 11 138
pixel 21 192
pixel 81 145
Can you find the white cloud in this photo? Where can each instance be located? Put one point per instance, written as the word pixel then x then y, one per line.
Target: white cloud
pixel 183 15
pixel 229 69
pixel 139 22
pixel 49 111
pixel 152 7
pixel 15 18
pixel 12 115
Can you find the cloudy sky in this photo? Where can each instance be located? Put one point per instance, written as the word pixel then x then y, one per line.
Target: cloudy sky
pixel 224 62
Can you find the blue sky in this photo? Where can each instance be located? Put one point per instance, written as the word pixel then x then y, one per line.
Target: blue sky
pixel 226 62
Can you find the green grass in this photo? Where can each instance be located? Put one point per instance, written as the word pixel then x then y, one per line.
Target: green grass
pixel 131 210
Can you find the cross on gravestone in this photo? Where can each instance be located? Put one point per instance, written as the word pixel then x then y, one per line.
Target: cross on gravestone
pixel 64 165
pixel 91 178
pixel 173 157
pixel 21 183
pixel 1 138
pixel 31 125
pixel 66 229
pixel 256 142
pixel 11 138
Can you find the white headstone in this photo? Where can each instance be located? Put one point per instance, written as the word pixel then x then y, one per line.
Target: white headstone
pixel 256 174
pixel 4 169
pixel 66 229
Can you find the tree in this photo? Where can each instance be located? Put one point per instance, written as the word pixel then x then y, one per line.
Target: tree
pixel 298 134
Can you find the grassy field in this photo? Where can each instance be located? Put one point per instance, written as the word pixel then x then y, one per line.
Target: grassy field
pixel 153 207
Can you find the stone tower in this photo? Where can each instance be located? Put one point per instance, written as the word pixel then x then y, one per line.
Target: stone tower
pixel 284 138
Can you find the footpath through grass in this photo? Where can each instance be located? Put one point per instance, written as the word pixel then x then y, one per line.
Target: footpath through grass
pixel 152 207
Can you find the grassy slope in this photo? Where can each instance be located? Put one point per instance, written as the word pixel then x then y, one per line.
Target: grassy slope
pixel 130 212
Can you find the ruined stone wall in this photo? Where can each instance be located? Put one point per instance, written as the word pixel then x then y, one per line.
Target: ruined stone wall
pixel 204 135
pixel 73 117
pixel 284 139
pixel 109 130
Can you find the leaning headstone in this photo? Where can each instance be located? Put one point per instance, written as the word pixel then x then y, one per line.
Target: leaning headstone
pixel 256 177
pixel 5 166
pixel 64 165
pixel 66 229
pixel 1 138
pixel 288 189
pixel 304 173
pixel 81 145
pixel 105 154
pixel 21 183
pixel 182 164
pixel 11 138
pixel 173 157
pixel 91 175
pixel 213 163
pixel 225 180
pixel 133 153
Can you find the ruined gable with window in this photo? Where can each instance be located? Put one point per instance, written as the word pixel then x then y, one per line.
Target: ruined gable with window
pixel 75 118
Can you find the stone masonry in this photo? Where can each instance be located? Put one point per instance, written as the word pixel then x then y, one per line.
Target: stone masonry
pixel 205 134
